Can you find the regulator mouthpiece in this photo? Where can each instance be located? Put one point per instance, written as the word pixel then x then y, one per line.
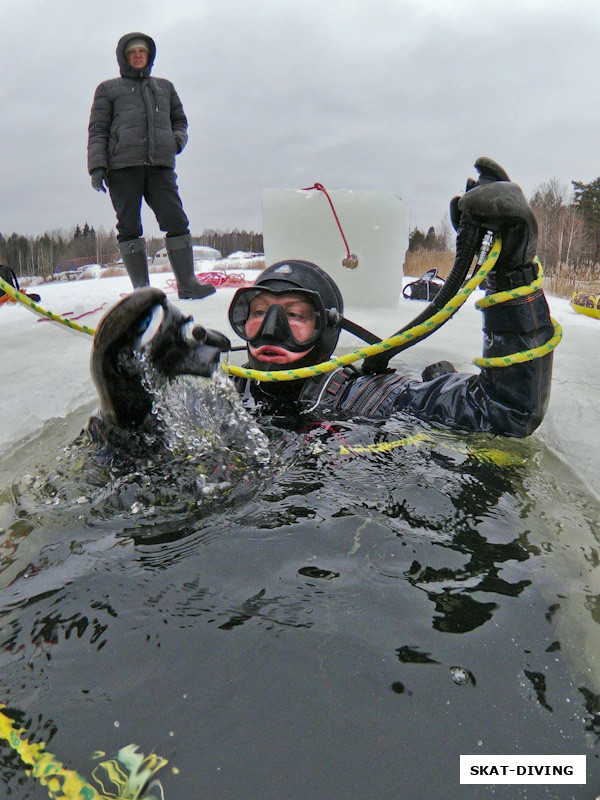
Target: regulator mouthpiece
pixel 193 335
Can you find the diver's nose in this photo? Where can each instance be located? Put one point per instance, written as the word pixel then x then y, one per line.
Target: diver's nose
pixel 275 323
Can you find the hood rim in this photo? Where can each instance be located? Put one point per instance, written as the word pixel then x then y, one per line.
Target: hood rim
pixel 124 68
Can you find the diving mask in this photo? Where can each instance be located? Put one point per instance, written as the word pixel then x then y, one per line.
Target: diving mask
pixel 278 322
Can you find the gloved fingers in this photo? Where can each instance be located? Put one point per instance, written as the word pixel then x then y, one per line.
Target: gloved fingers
pixel 99 179
pixel 144 320
pixel 497 201
pixel 176 346
pixel 502 207
pixel 497 204
pixel 489 170
pixel 125 322
pixel 123 399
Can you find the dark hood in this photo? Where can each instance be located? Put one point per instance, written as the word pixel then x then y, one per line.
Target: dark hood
pixel 124 68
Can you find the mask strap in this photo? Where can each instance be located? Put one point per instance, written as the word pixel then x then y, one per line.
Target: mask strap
pixel 357 330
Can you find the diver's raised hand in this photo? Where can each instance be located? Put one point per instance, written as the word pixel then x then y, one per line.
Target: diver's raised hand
pixel 497 204
pixel 145 322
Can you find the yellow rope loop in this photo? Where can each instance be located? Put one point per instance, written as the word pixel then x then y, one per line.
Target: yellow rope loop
pixel 62 783
pixel 370 350
pixel 524 355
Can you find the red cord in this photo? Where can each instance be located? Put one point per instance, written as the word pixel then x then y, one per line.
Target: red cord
pixel 321 188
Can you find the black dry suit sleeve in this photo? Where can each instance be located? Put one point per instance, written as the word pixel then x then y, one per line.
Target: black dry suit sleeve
pixel 507 401
pixel 518 394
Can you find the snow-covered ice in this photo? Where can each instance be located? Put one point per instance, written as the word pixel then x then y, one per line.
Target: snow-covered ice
pixel 46 379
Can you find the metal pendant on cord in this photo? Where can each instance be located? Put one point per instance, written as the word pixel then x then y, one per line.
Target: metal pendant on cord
pixel 350 262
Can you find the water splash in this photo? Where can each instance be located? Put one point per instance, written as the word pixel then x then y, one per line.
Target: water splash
pixel 202 416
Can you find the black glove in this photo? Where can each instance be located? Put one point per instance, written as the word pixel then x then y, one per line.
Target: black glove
pixel 498 205
pixel 145 321
pixel 99 179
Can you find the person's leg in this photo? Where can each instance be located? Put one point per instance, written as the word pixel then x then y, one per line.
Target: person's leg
pixel 126 187
pixel 161 194
pixel 163 197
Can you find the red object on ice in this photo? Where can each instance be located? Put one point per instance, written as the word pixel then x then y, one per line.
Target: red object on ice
pixel 218 278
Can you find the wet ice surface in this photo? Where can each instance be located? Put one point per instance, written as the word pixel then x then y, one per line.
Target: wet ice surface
pixel 369 601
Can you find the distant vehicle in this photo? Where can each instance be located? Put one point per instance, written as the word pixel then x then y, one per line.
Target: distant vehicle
pixel 201 253
pixel 245 254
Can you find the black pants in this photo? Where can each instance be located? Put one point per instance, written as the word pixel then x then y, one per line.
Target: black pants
pixel 158 187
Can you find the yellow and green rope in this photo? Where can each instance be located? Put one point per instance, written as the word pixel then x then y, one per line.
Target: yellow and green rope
pixel 42 312
pixel 128 773
pixel 525 355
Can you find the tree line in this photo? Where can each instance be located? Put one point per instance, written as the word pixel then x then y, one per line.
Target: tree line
pixel 42 255
pixel 568 221
pixel 568 227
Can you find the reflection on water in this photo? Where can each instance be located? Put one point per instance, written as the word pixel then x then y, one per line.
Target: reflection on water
pixel 340 610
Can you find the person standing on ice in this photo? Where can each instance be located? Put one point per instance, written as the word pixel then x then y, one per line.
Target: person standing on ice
pixel 292 317
pixel 137 127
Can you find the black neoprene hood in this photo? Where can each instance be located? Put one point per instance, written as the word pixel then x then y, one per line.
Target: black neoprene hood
pixel 294 275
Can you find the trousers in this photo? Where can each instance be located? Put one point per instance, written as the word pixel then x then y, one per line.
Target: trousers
pixel 158 187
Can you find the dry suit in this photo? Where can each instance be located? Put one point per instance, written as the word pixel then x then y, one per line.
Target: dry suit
pixel 508 401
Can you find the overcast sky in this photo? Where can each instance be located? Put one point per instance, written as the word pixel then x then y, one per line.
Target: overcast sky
pixel 401 95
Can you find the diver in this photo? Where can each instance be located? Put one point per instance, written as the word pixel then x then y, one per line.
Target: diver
pixel 292 317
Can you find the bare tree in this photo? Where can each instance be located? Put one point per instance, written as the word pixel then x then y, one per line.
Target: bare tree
pixel 563 237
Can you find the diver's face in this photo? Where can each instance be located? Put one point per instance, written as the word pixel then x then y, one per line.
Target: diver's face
pixel 300 315
pixel 137 57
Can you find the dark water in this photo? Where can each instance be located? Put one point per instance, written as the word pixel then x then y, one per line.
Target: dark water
pixel 343 620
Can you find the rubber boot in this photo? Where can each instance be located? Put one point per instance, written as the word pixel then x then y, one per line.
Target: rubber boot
pixel 135 260
pixel 181 258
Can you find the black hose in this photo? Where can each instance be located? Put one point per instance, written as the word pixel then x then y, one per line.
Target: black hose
pixel 468 244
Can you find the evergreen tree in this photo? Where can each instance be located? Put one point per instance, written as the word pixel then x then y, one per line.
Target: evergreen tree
pixel 587 199
pixel 416 240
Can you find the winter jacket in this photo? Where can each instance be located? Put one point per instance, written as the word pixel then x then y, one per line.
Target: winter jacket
pixel 507 401
pixel 136 120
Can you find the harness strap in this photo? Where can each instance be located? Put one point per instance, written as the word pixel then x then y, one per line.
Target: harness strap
pixel 327 390
pixel 504 281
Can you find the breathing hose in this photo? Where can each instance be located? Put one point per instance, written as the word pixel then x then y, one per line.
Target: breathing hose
pixel 468 243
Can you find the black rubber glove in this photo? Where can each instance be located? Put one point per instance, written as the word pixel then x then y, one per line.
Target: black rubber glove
pixel 498 205
pixel 145 321
pixel 99 179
